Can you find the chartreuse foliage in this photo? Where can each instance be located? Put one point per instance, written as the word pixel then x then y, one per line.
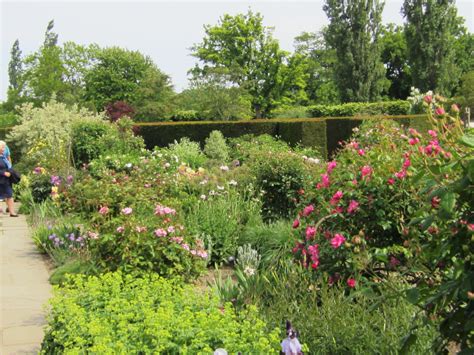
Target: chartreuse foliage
pixel 118 314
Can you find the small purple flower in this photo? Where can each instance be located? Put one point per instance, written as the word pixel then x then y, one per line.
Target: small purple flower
pixel 69 179
pixel 55 180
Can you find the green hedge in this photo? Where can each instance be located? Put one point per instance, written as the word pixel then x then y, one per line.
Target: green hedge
pixel 391 108
pixel 324 134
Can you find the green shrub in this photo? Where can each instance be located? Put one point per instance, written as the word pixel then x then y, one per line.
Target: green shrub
pixel 40 185
pixel 88 140
pixel 221 218
pixel 291 112
pixel 116 313
pixel 185 115
pixel 8 119
pixel 188 152
pixel 280 175
pixel 332 322
pixel 216 147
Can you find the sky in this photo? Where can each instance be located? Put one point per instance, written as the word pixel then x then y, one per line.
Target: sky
pixel 163 30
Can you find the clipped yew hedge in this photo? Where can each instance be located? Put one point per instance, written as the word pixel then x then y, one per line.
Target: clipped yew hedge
pixel 304 131
pixel 391 108
pixel 321 133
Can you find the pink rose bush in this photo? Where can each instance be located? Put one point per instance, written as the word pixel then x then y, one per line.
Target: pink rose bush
pixel 148 241
pixel 362 203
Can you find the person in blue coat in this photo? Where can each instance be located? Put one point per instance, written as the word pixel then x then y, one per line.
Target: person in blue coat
pixel 6 191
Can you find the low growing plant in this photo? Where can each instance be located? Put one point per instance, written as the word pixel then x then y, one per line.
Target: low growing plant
pixel 117 313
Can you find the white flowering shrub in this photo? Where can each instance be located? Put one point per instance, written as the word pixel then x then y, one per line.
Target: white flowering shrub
pixel 43 135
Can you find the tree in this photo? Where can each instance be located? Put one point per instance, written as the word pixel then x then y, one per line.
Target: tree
pixel 395 59
pixel 319 61
pixel 430 30
pixel 250 56
pixel 50 38
pixel 353 32
pixel 43 77
pixel 213 97
pixel 123 75
pixel 15 75
pixel 15 66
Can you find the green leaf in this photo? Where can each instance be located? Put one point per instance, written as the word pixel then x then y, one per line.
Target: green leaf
pixel 468 140
pixel 470 170
pixel 448 202
pixel 407 343
pixel 413 295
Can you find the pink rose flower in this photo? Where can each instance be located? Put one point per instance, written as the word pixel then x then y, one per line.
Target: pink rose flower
pixel 337 240
pixel 336 197
pixel 331 166
pixel 432 133
pixel 366 170
pixel 440 111
pixel 308 210
pixel 310 232
pixel 361 152
pixel 353 206
pixel 391 181
pixel 160 232
pixel 120 229
pixel 351 282
pixel 296 223
pixel 127 211
pixel 104 210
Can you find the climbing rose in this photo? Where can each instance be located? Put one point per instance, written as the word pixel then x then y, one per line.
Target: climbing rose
pixel 336 197
pixel 337 241
pixel 351 282
pixel 308 210
pixel 310 232
pixel 432 133
pixel 331 166
pixel 366 170
pixel 390 181
pixel 296 223
pixel 353 206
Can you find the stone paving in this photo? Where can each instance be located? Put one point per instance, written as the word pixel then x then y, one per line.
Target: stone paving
pixel 24 288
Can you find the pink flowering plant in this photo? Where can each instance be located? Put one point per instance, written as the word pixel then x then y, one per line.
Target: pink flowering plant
pixel 151 240
pixel 352 222
pixel 442 234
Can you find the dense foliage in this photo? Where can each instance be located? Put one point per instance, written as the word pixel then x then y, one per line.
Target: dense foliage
pixel 118 313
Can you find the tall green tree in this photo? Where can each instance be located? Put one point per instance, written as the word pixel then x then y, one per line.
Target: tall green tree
pixel 50 38
pixel 213 97
pixel 430 30
pixel 15 66
pixel 319 61
pixel 123 75
pixel 353 31
pixel 395 59
pixel 252 59
pixel 15 75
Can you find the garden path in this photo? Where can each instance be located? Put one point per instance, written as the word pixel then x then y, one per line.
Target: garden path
pixel 24 288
